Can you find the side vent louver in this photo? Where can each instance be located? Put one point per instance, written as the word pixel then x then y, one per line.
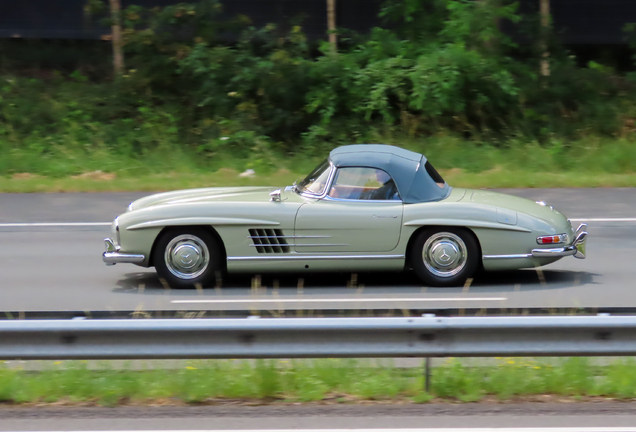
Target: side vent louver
pixel 269 240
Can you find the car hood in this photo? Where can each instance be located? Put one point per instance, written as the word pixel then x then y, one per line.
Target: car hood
pixel 518 204
pixel 241 194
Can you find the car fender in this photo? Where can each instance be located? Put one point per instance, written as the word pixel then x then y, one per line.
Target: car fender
pixel 466 223
pixel 209 221
pixel 496 234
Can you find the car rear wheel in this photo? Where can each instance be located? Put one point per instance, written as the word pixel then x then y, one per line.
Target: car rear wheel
pixel 445 257
pixel 186 258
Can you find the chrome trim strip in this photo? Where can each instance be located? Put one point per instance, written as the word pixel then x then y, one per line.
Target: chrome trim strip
pixel 290 237
pixel 579 241
pixel 112 255
pixel 332 173
pixel 112 258
pixel 298 245
pixel 313 257
pixel 328 198
pixel 507 256
pixel 110 245
pixel 555 252
pixel 329 184
pixel 323 244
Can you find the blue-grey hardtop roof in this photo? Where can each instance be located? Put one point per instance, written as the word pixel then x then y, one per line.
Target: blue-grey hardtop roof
pixel 407 169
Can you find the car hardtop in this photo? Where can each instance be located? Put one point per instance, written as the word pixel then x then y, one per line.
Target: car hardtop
pixel 416 179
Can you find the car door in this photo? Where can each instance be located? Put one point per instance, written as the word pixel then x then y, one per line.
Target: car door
pixel 362 212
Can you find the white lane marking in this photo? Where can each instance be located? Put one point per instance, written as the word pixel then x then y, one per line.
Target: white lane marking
pixel 494 429
pixel 604 220
pixel 54 224
pixel 343 300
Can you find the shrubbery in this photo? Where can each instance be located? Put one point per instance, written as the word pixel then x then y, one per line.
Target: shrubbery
pixel 443 66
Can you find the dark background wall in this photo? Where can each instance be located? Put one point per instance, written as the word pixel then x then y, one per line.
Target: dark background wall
pixel 578 21
pixel 588 21
pixel 65 19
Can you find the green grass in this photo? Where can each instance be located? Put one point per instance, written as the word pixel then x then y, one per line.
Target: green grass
pixel 93 182
pixel 98 182
pixel 333 380
pixel 585 163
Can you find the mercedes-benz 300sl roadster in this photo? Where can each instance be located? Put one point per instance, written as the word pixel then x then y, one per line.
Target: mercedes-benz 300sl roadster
pixel 365 208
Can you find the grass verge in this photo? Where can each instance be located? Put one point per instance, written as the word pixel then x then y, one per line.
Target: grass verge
pixel 103 182
pixel 327 380
pixel 586 163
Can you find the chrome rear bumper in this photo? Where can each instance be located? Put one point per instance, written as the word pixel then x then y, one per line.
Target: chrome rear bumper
pixel 112 255
pixel 577 248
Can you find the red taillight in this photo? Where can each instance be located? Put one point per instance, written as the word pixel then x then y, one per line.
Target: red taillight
pixel 556 239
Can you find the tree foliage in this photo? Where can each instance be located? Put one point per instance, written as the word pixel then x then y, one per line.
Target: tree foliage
pixel 434 66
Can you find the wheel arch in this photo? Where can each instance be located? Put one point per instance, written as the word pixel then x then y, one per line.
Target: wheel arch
pixel 416 233
pixel 210 229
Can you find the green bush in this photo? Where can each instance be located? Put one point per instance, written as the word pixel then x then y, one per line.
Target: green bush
pixel 440 65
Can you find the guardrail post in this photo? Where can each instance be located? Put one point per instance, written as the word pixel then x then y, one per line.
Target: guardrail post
pixel 427 374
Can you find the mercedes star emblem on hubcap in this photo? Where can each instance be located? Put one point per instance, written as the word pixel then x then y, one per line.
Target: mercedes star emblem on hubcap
pixel 444 256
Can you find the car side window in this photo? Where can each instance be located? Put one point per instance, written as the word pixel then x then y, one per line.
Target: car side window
pixel 363 184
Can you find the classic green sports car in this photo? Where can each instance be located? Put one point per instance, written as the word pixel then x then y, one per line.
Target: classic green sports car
pixel 366 207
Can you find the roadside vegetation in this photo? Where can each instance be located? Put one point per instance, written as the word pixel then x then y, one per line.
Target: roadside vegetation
pixel 206 96
pixel 462 164
pixel 324 381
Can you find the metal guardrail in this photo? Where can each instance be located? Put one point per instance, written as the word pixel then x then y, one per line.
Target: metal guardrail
pixel 303 312
pixel 318 337
pixel 299 312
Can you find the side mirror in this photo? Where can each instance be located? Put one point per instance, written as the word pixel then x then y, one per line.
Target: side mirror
pixel 275 196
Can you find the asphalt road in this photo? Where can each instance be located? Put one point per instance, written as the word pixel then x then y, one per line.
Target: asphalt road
pixel 580 417
pixel 59 268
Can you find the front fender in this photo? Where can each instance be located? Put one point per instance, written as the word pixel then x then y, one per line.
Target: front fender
pixel 192 221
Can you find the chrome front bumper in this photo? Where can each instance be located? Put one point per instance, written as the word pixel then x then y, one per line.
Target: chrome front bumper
pixel 577 248
pixel 112 255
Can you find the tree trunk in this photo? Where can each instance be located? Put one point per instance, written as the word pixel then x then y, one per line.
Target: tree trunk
pixel 545 26
pixel 118 53
pixel 331 25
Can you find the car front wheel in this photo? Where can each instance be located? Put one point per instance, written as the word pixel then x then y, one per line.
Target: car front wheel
pixel 445 257
pixel 186 258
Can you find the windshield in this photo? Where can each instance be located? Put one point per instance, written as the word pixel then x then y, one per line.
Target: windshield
pixel 316 181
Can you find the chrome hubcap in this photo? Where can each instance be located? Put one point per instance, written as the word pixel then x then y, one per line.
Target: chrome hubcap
pixel 444 254
pixel 187 256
